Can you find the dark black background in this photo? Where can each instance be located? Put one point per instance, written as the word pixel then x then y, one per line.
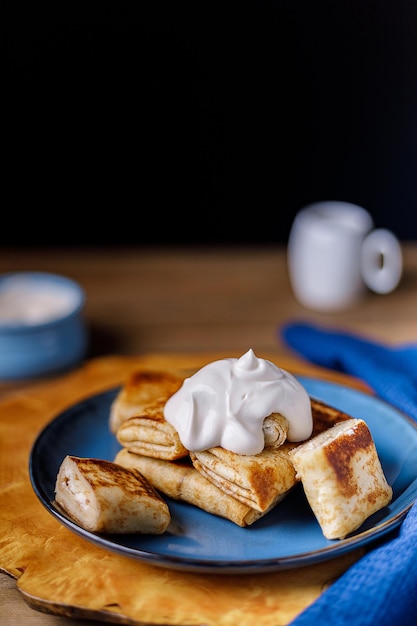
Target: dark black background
pixel 204 122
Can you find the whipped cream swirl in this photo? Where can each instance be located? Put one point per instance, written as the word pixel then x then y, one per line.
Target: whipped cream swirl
pixel 226 401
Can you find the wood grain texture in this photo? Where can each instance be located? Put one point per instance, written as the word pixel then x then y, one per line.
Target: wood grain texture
pixel 59 573
pixel 174 303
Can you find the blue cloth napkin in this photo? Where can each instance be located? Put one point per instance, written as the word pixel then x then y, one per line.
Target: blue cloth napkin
pixel 381 588
pixel 390 371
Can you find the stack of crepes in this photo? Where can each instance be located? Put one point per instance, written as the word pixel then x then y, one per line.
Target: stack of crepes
pixel 241 488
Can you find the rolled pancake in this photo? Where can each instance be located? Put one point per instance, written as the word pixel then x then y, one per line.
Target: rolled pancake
pixel 325 416
pixel 258 480
pixel 105 497
pixel 342 477
pixel 263 479
pixel 275 429
pixel 151 435
pixel 143 389
pixel 181 481
pixel 137 416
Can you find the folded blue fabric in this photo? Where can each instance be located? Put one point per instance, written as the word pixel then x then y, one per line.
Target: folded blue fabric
pixel 381 588
pixel 378 590
pixel 390 371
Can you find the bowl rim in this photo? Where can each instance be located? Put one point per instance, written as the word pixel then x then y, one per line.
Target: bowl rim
pixel 8 328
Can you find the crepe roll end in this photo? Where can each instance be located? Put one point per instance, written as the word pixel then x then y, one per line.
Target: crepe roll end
pixel 102 496
pixel 342 477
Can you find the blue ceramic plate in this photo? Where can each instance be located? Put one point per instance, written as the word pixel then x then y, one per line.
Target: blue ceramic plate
pixel 287 537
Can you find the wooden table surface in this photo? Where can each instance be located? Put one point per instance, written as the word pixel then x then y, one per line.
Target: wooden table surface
pixel 193 300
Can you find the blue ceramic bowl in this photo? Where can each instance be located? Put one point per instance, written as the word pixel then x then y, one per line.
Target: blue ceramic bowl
pixel 42 330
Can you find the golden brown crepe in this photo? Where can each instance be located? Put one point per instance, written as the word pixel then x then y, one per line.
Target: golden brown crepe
pixel 144 389
pixel 150 434
pixel 181 481
pixel 262 479
pixel 275 429
pixel 325 416
pixel 137 417
pixel 218 481
pixel 258 480
pixel 342 477
pixel 102 496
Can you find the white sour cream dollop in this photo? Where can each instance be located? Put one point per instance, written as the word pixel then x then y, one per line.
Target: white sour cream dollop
pixel 225 403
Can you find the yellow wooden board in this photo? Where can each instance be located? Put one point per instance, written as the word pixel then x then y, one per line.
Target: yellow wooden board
pixel 61 573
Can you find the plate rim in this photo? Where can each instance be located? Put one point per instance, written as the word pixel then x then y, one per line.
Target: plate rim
pixel 226 566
